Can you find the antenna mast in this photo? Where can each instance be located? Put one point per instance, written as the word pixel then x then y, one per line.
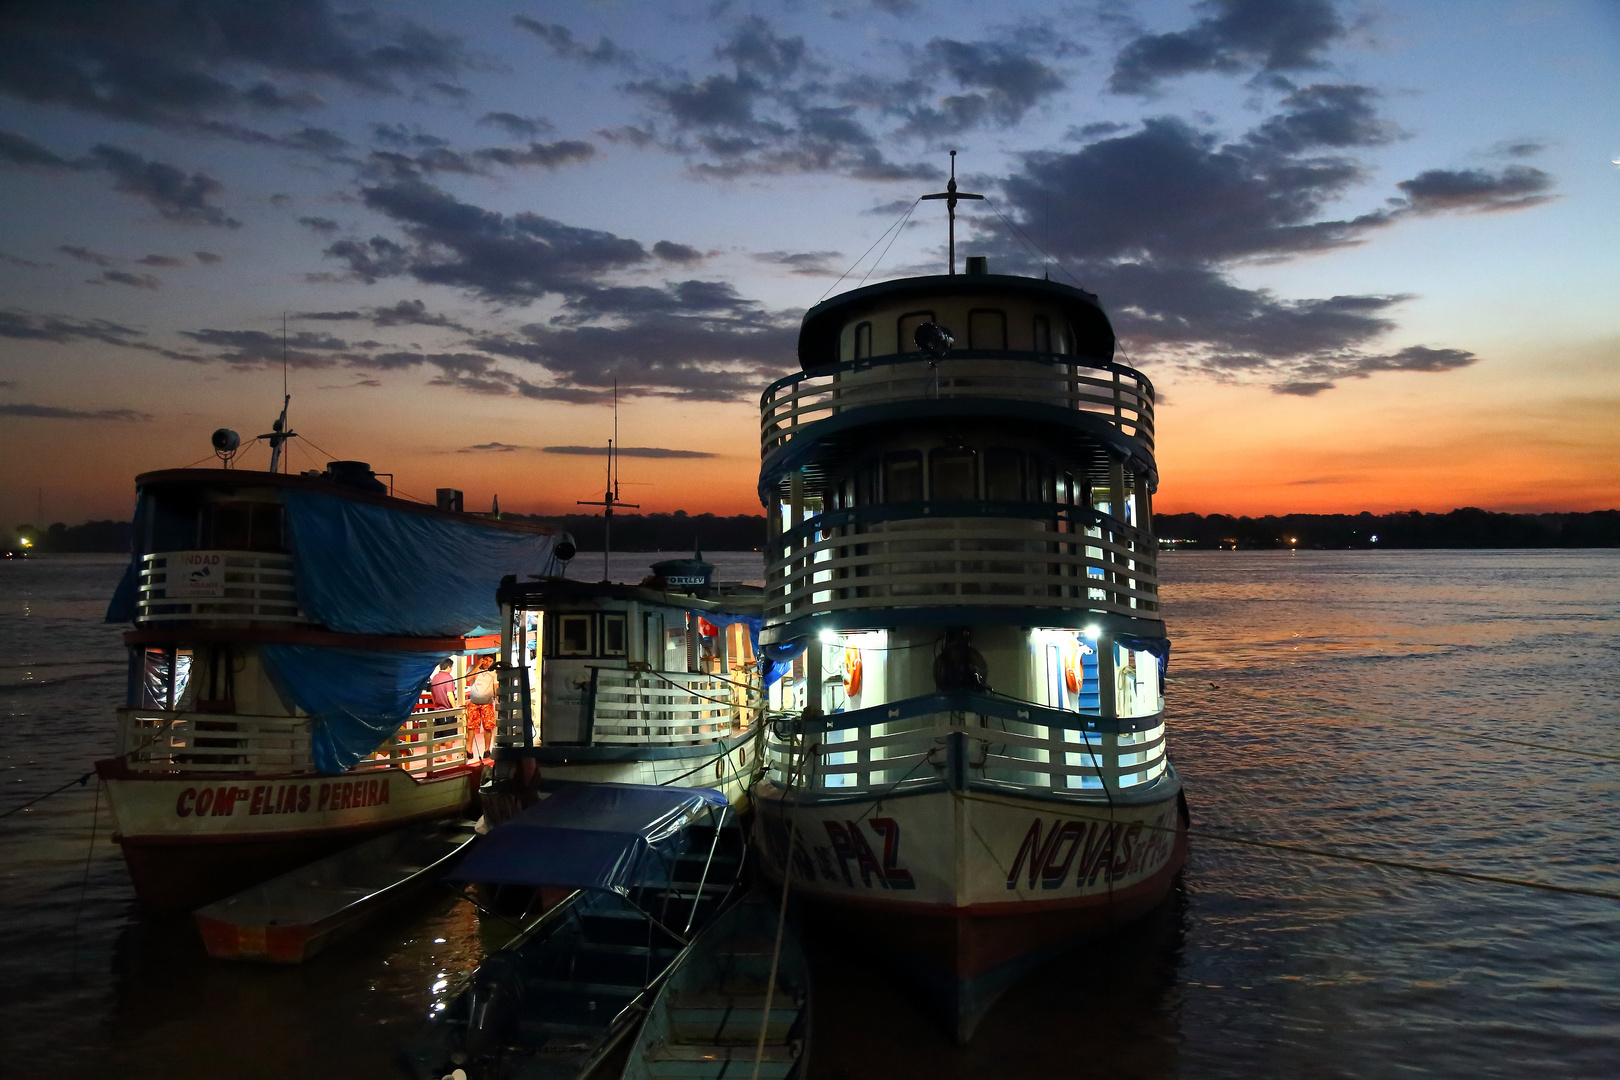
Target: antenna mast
pixel 951 195
pixel 278 430
pixel 610 496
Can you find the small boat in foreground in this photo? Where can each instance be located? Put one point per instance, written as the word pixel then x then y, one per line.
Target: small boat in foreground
pixel 290 918
pixel 706 1021
pixel 649 868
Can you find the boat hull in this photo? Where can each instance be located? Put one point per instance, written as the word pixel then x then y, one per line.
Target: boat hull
pixel 192 840
pixel 968 891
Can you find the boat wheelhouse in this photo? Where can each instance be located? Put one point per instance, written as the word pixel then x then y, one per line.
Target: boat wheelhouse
pixel 286 628
pixel 655 683
pixel 962 608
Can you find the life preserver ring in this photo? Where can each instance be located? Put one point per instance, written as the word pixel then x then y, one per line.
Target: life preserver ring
pixel 1073 673
pixel 852 671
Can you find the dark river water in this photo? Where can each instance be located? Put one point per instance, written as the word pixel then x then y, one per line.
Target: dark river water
pixel 1451 709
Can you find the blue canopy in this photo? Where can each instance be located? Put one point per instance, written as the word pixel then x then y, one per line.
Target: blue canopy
pixel 358 697
pixel 589 836
pixel 367 569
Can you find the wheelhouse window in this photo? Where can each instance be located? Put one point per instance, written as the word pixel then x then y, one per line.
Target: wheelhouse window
pixel 613 635
pixel 902 477
pixel 987 329
pixel 1003 475
pixel 907 330
pixel 863 340
pixel 951 474
pixel 1043 334
pixel 241 526
pixel 573 635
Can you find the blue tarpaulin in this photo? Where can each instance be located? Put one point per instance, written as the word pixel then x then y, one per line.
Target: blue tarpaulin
pixel 776 660
pixel 607 837
pixel 358 697
pixel 1158 646
pixel 366 569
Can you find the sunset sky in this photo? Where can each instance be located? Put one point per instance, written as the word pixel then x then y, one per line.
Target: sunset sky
pixel 1369 253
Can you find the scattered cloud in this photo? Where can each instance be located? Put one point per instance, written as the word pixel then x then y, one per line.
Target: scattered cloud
pixel 491 448
pixel 1270 36
pixel 62 329
pixel 324 225
pixel 670 251
pixel 1516 187
pixel 545 155
pixel 256 348
pixel 197 66
pixel 19 261
pixel 120 277
pixel 208 258
pixel 563 43
pixel 20 150
pixel 168 189
pixel 807 263
pixel 53 412
pixel 84 254
pixel 519 127
pixel 160 260
pixel 1000 82
pixel 625 451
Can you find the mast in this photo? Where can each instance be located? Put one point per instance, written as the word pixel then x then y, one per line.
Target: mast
pixel 278 430
pixel 610 496
pixel 951 195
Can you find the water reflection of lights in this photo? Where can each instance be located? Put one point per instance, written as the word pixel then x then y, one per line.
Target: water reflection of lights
pixel 440 985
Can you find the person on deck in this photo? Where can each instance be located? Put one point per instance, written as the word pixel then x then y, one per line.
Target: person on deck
pixel 442 687
pixel 481 689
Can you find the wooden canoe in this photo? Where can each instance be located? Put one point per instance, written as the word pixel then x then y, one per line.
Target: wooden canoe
pixel 290 918
pixel 705 1022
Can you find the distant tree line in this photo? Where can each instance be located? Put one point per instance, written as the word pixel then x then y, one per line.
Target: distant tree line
pixel 64 539
pixel 1468 527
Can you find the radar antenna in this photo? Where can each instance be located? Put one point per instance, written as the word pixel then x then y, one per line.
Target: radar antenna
pixel 951 195
pixel 610 496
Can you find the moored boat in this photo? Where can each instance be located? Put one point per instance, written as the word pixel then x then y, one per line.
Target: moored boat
pixel 290 918
pixel 963 609
pixel 285 631
pixel 654 683
pixel 646 869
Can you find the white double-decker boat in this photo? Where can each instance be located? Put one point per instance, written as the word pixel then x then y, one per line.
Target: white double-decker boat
pixel 285 630
pixel 962 609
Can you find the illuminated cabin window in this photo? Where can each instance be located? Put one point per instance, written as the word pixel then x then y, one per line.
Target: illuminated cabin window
pixel 573 635
pixel 902 477
pixel 1136 683
pixel 951 474
pixel 987 329
pixel 1043 334
pixel 907 330
pixel 863 341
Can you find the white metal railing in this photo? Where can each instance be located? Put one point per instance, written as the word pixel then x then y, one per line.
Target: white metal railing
pixel 154 740
pixel 242 586
pixel 917 750
pixel 658 708
pixel 1120 395
pixel 963 561
pixel 428 742
pixel 644 707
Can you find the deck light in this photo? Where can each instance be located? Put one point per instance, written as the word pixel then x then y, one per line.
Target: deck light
pixel 1091 632
pixel 829 637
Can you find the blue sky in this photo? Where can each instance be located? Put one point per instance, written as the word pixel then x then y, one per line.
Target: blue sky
pixel 1365 250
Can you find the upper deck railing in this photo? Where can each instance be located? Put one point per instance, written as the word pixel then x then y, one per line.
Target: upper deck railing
pixel 1117 394
pixel 223 586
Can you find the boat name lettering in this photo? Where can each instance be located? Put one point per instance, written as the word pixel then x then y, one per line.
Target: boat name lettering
pixel 849 842
pixel 1106 850
pixel 281 798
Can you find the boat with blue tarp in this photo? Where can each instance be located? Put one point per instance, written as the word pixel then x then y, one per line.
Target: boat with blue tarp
pixel 301 656
pixel 645 869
